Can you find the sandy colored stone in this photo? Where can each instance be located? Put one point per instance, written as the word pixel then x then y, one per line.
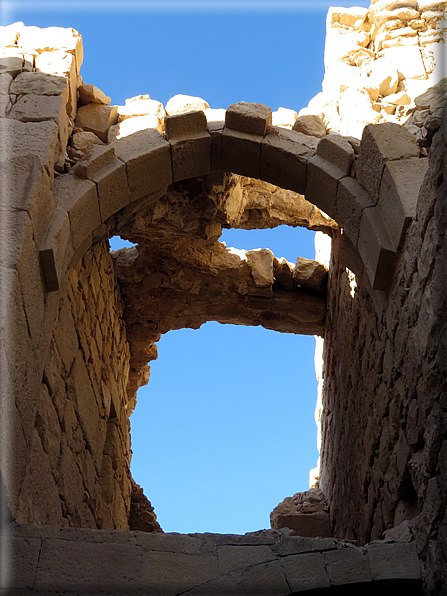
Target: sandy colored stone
pixel 187 125
pixel 309 274
pixel 261 263
pixel 248 118
pixel 5 82
pixel 336 150
pixel 22 138
pixel 39 108
pixel 39 83
pixel 11 65
pixel 310 125
pixel 97 118
pixel 179 104
pixel 284 117
pixel 132 125
pixel 322 183
pixel 91 94
pixel 52 38
pixel 284 156
pixel 95 158
pixel 141 107
pixel 81 140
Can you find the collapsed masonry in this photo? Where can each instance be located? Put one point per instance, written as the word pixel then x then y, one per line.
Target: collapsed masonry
pixel 79 324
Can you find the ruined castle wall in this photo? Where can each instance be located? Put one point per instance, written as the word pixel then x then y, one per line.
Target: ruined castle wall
pixel 384 420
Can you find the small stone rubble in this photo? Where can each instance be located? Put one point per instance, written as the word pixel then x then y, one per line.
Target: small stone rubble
pixel 306 514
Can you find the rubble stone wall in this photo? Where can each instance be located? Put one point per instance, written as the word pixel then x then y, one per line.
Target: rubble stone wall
pixel 384 419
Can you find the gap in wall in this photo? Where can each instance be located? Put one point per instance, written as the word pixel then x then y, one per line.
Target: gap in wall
pixel 225 429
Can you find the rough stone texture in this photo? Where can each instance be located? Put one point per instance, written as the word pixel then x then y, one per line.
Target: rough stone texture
pixel 48 560
pixel 72 355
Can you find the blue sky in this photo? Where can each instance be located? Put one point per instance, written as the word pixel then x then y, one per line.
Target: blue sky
pixel 225 429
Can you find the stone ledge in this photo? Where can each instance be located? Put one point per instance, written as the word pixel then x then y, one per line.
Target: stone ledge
pixel 47 559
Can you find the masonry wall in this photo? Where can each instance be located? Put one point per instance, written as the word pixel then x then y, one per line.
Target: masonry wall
pixel 77 442
pixel 384 420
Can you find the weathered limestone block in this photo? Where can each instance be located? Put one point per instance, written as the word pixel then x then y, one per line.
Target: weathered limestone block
pixel 113 192
pixel 135 124
pixel 97 118
pixel 248 118
pixel 241 153
pixel 310 274
pixel 305 572
pixel 80 198
pixel 56 250
pixel 322 183
pixel 347 566
pixel 284 118
pixel 91 94
pixel 398 194
pixel 350 201
pixel 261 263
pixel 52 38
pixel 376 248
pixel 39 83
pixel 95 158
pixel 382 143
pixel 11 65
pixel 336 150
pixel 434 95
pixel 310 124
pixel 283 274
pixel 148 162
pixel 190 144
pixel 38 108
pixel 141 107
pixel 305 513
pixel 284 156
pixel 393 561
pixel 81 140
pixel 180 104
pixel 25 138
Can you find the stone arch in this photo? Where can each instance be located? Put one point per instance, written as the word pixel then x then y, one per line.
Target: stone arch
pixel 332 173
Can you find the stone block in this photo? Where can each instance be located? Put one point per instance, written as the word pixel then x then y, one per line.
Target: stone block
pixel 191 157
pixel 382 143
pixel 238 557
pixel 82 566
pixel 180 104
pixel 347 566
pixel 260 261
pixel 310 124
pixel 394 561
pixel 187 125
pixel 241 153
pixel 11 65
pixel 5 104
pixel 113 192
pixel 172 573
pixel 295 545
pixel 141 107
pixel 18 566
pixel 216 129
pixel 336 150
pixel 132 125
pixel 80 198
pixel 305 572
pixel 52 39
pixel 97 118
pixel 350 201
pixel 349 255
pixel 148 162
pixel 56 250
pixel 39 108
pixel 284 157
pixel 398 194
pixel 322 184
pixel 5 82
pixel 95 158
pixel 311 275
pixel 91 94
pixel 376 249
pixel 29 138
pixel 248 118
pixel 39 83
